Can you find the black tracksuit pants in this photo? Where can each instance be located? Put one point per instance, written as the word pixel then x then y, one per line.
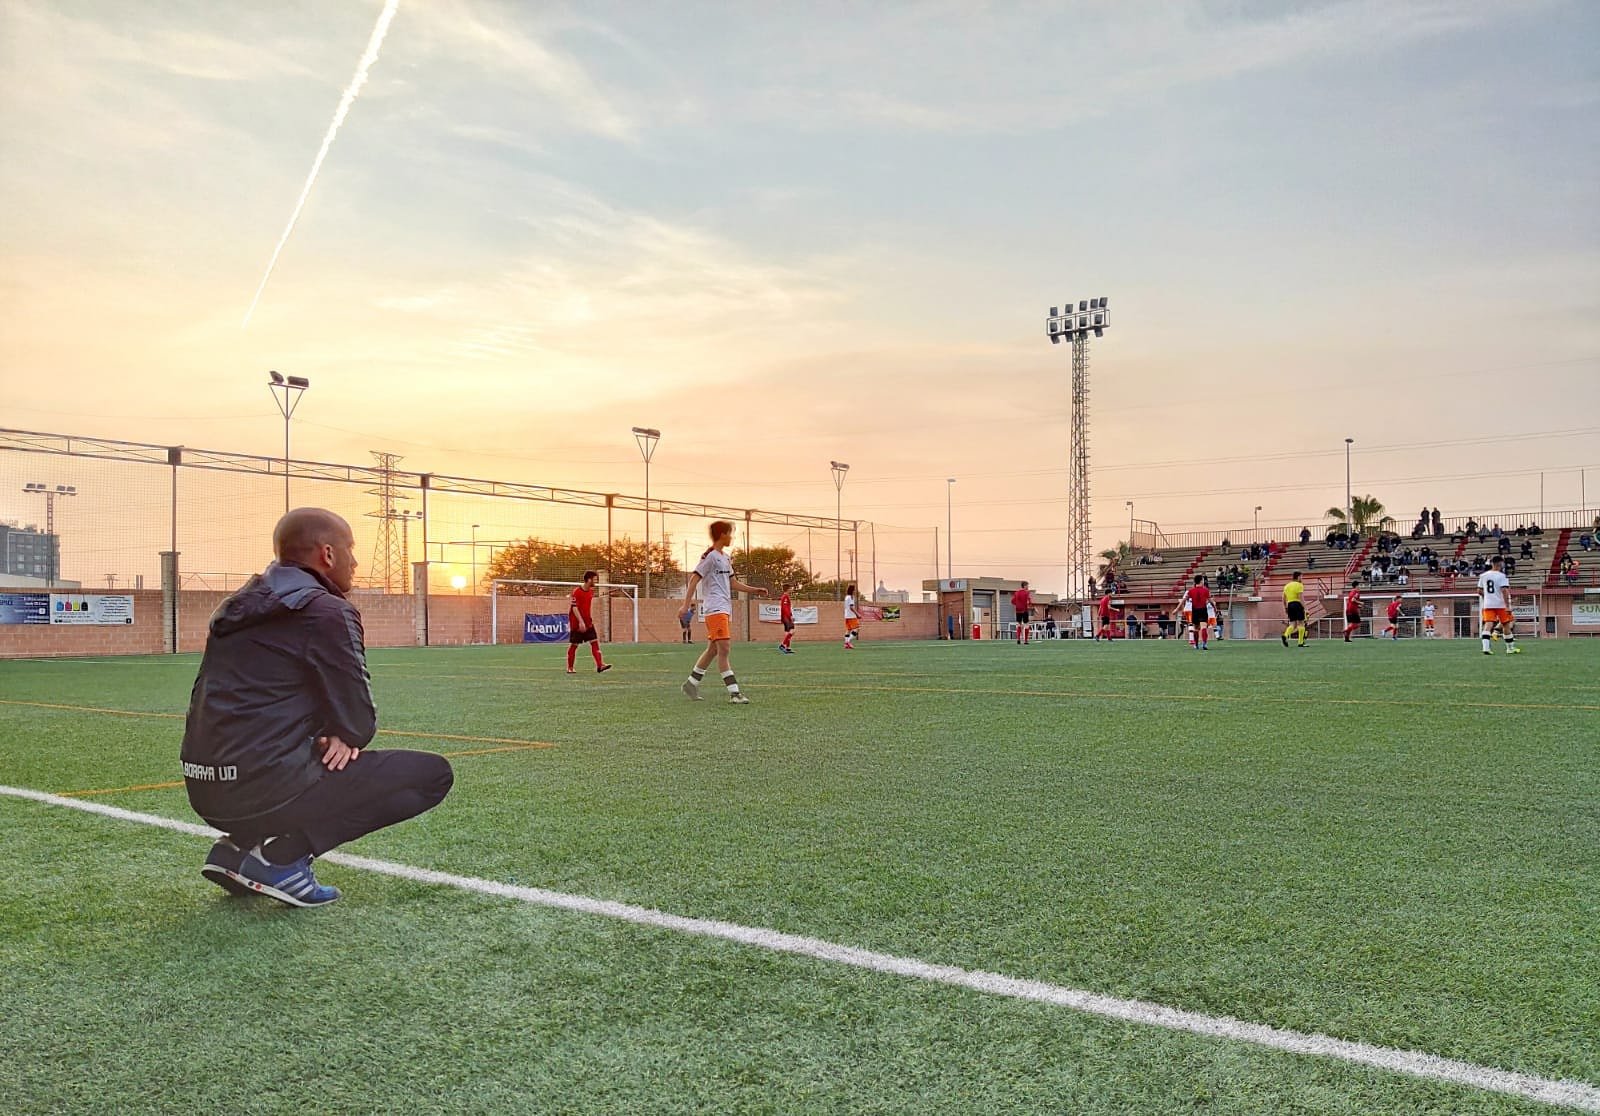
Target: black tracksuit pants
pixel 376 790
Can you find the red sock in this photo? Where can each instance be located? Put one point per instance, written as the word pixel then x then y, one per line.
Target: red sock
pixel 595 649
pixel 572 651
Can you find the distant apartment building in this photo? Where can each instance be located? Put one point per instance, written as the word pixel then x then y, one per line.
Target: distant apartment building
pixel 28 552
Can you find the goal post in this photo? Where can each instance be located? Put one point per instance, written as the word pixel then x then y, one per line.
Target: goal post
pixel 511 590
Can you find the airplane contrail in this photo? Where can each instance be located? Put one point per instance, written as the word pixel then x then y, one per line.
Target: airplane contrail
pixel 367 59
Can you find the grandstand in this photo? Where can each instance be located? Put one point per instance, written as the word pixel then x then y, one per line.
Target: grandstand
pixel 1254 608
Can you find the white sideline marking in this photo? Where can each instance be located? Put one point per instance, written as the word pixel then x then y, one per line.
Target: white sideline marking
pixel 1571 1094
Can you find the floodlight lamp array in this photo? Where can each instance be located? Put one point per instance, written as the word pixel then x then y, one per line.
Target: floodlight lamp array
pixel 1066 323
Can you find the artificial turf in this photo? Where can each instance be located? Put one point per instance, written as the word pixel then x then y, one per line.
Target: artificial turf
pixel 1393 843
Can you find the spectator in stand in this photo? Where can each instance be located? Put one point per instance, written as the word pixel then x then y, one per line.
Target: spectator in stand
pixel 1586 541
pixel 1504 545
pixel 1311 562
pixel 1403 577
pixel 1471 527
pixel 1509 566
pixel 1495 531
pixel 1438 525
pixel 1526 550
pixel 1535 529
pixel 1569 569
pixel 1305 535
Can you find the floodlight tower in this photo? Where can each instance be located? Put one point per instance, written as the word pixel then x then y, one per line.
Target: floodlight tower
pixel 839 470
pixel 34 488
pixel 646 438
pixel 281 388
pixel 1067 324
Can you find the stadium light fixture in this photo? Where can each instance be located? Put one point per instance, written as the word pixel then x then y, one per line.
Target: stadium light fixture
pixel 646 437
pixel 1077 324
pixel 1258 518
pixel 475 527
pixel 949 529
pixel 839 470
pixel 1349 506
pixel 34 488
pixel 1130 525
pixel 286 393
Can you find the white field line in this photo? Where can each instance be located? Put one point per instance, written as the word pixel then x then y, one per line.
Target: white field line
pixel 1571 1094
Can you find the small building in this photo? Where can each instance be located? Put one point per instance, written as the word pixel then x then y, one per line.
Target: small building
pixel 981 606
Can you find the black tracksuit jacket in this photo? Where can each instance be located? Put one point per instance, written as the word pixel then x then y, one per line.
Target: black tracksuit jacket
pixel 285 662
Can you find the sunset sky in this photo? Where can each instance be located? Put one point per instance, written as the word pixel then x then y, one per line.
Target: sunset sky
pixel 786 234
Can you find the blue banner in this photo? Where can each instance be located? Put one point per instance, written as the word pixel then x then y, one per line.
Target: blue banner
pixel 24 608
pixel 540 628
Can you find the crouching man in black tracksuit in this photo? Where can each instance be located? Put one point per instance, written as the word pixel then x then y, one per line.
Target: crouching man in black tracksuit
pixel 274 750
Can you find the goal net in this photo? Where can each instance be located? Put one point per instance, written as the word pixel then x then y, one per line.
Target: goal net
pixel 513 600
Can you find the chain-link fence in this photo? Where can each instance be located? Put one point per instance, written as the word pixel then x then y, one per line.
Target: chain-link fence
pixel 112 508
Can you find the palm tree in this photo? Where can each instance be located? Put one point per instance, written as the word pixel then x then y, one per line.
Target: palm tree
pixel 1116 558
pixel 1365 512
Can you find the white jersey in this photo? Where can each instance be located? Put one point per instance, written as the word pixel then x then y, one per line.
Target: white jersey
pixel 1492 588
pixel 1427 612
pixel 850 612
pixel 716 577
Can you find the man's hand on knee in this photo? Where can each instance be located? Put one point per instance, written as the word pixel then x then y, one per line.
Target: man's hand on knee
pixel 336 754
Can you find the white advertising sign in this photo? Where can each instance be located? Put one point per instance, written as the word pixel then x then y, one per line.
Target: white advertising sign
pixel 1525 611
pixel 98 608
pixel 770 612
pixel 1586 614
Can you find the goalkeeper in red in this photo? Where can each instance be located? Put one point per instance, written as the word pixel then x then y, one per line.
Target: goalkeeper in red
pixel 580 624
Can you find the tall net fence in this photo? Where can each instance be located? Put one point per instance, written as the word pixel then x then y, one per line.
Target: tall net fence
pixel 113 508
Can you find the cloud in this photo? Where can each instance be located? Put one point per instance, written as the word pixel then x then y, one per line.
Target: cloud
pixel 959 69
pixel 488 40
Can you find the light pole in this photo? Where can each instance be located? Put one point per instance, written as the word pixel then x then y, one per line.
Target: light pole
pixel 839 470
pixel 949 529
pixel 50 541
pixel 281 386
pixel 647 439
pixel 1349 506
pixel 1130 525
pixel 1076 325
pixel 1258 520
pixel 475 527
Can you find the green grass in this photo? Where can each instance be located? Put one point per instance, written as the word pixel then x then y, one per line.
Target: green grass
pixel 1389 843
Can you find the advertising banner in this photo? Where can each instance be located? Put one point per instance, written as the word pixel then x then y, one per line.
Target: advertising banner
pixel 1525 610
pixel 772 613
pixel 876 612
pixel 1586 614
pixel 544 628
pixel 100 608
pixel 24 608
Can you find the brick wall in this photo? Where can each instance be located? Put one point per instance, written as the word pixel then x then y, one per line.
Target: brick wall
pixel 390 621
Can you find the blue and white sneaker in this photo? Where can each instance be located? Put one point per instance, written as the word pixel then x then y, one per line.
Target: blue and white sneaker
pixel 293 884
pixel 222 867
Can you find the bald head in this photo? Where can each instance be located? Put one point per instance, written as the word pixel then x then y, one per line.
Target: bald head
pixel 302 533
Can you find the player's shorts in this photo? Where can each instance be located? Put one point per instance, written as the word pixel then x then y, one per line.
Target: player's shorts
pixel 588 635
pixel 1296 611
pixel 1497 616
pixel 788 625
pixel 719 625
pixel 851 624
pixel 1352 618
pixel 1023 616
pixel 1427 622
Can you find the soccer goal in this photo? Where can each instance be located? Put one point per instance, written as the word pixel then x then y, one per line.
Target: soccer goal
pixel 554 596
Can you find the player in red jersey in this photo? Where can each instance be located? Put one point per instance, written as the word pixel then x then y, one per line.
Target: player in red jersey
pixel 1392 630
pixel 786 614
pixel 1105 618
pixel 580 624
pixel 1021 603
pixel 1352 613
pixel 1197 603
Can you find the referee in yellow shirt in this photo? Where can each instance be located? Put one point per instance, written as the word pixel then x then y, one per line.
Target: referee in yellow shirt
pixel 1295 608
